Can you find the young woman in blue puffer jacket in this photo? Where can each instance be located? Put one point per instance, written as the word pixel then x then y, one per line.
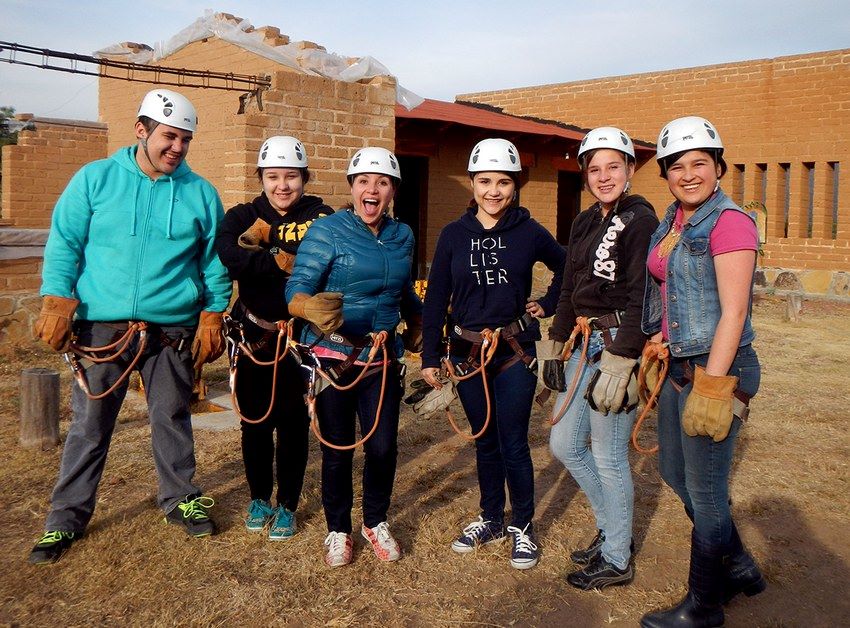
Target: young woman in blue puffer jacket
pixel 352 277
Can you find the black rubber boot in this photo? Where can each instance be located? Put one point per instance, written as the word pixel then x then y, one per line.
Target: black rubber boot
pixel 741 574
pixel 701 607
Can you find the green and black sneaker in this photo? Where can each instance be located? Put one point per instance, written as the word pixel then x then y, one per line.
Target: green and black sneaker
pixel 51 546
pixel 193 514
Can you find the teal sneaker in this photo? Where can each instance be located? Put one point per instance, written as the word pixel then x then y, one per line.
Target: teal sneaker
pixel 51 546
pixel 260 512
pixel 283 524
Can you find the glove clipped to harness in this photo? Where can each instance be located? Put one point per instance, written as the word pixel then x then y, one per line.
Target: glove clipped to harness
pixel 284 260
pixel 412 334
pixel 708 408
pixel 324 309
pixel 613 388
pixel 208 344
pixel 54 321
pixel 427 400
pixel 255 236
pixel 550 368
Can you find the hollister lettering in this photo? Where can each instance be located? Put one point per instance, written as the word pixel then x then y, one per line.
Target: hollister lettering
pixel 484 261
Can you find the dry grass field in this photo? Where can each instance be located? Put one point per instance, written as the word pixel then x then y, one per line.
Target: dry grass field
pixel 790 488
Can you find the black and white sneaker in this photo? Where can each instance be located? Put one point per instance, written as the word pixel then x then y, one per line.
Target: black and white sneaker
pixel 586 556
pixel 479 532
pixel 525 553
pixel 600 574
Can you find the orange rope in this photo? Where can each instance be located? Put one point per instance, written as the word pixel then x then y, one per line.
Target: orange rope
pixel 379 340
pixel 488 350
pixel 284 330
pixel 662 355
pixel 119 346
pixel 582 327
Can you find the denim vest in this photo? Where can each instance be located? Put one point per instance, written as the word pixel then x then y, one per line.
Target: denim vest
pixel 693 301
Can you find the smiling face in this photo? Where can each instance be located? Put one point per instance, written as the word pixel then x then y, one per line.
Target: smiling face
pixel 371 195
pixel 162 150
pixel 283 187
pixel 692 178
pixel 607 174
pixel 493 193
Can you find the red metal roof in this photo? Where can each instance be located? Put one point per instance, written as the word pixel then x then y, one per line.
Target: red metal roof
pixel 469 115
pixel 478 117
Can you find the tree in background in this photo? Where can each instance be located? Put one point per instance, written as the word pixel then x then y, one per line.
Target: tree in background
pixel 7 136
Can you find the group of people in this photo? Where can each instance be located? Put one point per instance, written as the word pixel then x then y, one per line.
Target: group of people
pixel 150 280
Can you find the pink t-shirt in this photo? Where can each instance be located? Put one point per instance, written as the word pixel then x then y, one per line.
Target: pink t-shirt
pixel 734 231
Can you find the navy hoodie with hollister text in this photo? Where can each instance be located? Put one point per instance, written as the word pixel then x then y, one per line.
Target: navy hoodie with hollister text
pixel 486 275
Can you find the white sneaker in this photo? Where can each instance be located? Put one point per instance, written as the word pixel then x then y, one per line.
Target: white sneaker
pixel 340 549
pixel 382 541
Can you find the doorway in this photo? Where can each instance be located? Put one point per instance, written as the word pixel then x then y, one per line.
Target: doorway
pixel 569 203
pixel 411 206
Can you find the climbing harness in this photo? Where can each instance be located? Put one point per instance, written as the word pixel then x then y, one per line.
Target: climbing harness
pixel 481 352
pixel 238 345
pixel 78 355
pixel 319 378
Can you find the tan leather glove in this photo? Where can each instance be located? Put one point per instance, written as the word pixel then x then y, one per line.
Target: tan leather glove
pixel 412 334
pixel 708 408
pixel 324 310
pixel 255 235
pixel 54 321
pixel 209 339
pixel 611 389
pixel 285 261
pixel 550 366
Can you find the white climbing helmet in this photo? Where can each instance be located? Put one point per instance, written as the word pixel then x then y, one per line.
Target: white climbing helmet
pixel 169 107
pixel 606 137
pixel 494 155
pixel 374 160
pixel 688 133
pixel 282 151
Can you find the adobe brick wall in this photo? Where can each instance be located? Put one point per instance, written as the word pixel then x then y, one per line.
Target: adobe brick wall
pixel 790 110
pixel 331 118
pixel 36 169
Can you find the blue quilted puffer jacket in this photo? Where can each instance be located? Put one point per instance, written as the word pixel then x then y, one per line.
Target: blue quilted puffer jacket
pixel 340 254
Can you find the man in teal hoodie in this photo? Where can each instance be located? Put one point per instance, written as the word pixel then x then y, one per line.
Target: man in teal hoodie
pixel 132 239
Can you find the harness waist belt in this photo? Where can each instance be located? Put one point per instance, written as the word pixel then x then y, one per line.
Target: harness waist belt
pixel 238 310
pixel 612 319
pixel 508 331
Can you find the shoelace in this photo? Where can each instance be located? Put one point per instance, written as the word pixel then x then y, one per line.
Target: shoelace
pixel 259 509
pixel 197 508
pixel 283 517
pixel 336 542
pixel 523 542
pixel 476 528
pixel 382 532
pixel 54 536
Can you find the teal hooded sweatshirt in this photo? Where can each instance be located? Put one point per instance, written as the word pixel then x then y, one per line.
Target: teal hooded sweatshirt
pixel 133 248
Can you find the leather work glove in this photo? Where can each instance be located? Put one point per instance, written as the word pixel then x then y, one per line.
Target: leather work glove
pixel 708 408
pixel 612 388
pixel 551 369
pixel 54 321
pixel 324 309
pixel 412 334
pixel 209 339
pixel 285 261
pixel 257 234
pixel 427 400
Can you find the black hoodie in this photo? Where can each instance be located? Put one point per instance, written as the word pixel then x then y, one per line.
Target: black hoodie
pixel 487 276
pixel 261 281
pixel 606 271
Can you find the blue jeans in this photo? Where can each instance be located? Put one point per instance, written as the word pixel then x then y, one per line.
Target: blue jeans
pixel 167 377
pixel 502 453
pixel 601 470
pixel 696 467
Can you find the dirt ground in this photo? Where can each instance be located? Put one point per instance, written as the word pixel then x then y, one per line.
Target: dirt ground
pixel 790 489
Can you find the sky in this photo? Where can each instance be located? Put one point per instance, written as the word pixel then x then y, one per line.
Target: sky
pixel 436 48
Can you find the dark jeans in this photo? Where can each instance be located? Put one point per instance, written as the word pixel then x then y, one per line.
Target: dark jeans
pixel 167 377
pixel 502 452
pixel 260 451
pixel 696 467
pixel 337 411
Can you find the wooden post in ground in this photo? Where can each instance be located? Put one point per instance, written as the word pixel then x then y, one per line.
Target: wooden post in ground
pixel 793 307
pixel 39 408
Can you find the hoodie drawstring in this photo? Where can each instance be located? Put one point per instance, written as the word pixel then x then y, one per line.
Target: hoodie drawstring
pixel 135 208
pixel 170 210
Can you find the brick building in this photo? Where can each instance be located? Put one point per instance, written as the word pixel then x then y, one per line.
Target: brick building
pixel 785 123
